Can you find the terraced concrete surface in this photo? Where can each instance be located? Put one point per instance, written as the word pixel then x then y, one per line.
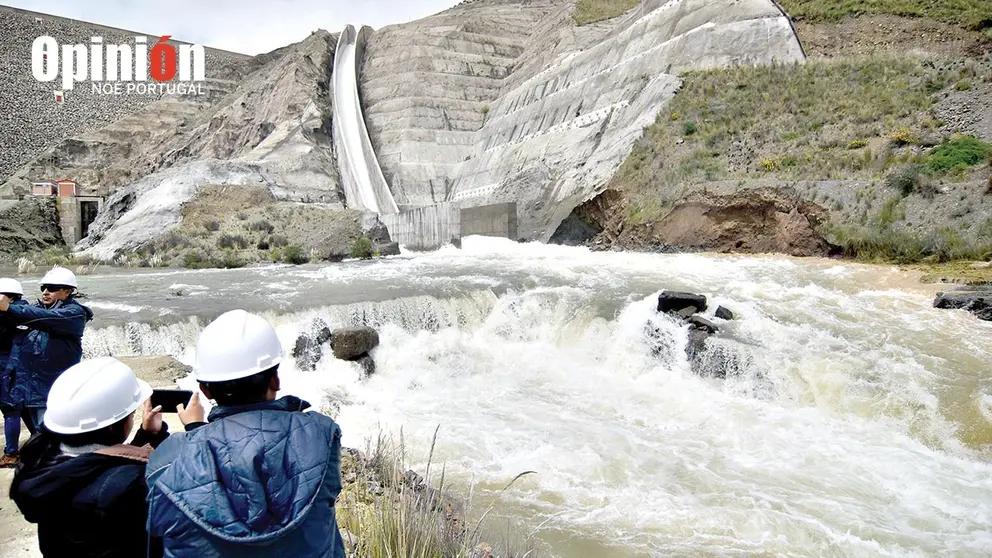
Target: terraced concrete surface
pixel 496 101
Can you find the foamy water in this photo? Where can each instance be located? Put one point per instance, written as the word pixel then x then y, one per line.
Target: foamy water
pixel 861 427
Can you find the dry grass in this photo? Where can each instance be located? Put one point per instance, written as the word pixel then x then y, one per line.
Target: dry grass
pixel 845 119
pixel 591 11
pixel 395 514
pixel 975 15
pixel 960 272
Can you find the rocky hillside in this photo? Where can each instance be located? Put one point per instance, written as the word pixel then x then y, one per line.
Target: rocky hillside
pixel 31 122
pixel 272 130
pixel 29 225
pixel 266 123
pixel 888 133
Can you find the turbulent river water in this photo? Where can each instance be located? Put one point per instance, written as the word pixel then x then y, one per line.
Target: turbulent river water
pixel 862 425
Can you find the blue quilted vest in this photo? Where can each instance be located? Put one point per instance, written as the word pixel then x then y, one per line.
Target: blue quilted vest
pixel 256 480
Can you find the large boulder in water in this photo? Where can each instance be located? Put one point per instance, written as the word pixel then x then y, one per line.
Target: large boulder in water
pixel 352 343
pixel 674 301
pixel 977 300
pixel 307 350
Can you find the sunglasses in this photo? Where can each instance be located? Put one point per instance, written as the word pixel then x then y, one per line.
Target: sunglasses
pixel 54 288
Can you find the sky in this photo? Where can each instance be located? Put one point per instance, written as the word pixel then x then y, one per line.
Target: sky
pixel 245 26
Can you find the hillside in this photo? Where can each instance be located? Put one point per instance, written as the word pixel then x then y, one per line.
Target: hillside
pixel 889 135
pixel 497 101
pixel 31 122
pixel 852 127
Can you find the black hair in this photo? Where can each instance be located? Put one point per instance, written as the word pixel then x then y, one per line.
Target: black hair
pixel 242 391
pixel 44 444
pixel 12 296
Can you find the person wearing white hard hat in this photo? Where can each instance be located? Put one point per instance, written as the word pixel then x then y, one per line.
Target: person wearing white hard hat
pixel 77 479
pixel 261 476
pixel 53 343
pixel 10 337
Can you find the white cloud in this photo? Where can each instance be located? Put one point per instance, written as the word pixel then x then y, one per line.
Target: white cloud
pixel 246 26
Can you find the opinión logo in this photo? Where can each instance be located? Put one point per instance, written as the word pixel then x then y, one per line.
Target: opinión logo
pixel 117 69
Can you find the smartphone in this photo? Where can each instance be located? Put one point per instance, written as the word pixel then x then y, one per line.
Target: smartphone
pixel 170 399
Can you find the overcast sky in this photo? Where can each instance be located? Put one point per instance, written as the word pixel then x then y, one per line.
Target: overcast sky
pixel 246 26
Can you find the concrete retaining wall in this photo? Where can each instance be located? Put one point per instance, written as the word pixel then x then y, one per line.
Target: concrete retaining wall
pixel 498 219
pixel 433 226
pixel 424 228
pixel 71 217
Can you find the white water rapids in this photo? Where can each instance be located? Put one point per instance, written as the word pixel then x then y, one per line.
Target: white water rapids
pixel 862 426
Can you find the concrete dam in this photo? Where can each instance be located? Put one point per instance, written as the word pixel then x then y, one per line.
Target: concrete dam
pixel 517 108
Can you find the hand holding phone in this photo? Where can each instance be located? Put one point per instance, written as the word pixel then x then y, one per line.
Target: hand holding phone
pixel 192 412
pixel 170 399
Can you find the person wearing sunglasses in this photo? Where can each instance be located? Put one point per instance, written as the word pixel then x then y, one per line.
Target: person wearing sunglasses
pixel 53 343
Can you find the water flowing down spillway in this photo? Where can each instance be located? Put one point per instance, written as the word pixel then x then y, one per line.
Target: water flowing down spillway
pixel 860 426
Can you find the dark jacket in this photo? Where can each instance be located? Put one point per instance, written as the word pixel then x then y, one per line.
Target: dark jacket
pixel 11 335
pixel 256 480
pixel 54 342
pixel 90 506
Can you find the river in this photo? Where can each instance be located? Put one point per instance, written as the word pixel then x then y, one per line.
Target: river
pixel 861 427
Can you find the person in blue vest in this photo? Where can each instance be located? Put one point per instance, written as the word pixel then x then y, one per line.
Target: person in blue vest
pixel 10 336
pixel 261 476
pixel 54 342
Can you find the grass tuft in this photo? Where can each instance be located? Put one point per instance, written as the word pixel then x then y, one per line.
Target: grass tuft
pixel 591 11
pixel 970 14
pixel 393 513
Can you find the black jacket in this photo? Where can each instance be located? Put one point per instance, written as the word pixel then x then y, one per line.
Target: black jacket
pixel 90 506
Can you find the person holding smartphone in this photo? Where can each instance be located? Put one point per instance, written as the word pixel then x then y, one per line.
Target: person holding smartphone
pixel 77 479
pixel 10 336
pixel 260 478
pixel 54 341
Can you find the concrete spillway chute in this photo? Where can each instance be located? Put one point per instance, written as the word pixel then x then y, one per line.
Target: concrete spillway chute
pixel 361 177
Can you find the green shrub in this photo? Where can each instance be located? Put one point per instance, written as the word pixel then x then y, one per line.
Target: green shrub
pixel 959 152
pixel 963 85
pixel 231 260
pixel 362 248
pixel 908 180
pixel 262 225
pixel 295 255
pixel 194 259
pixel 228 241
pixel 689 128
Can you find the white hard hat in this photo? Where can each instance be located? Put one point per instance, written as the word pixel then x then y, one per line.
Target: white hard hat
pixel 236 345
pixel 11 286
pixel 60 276
pixel 93 394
